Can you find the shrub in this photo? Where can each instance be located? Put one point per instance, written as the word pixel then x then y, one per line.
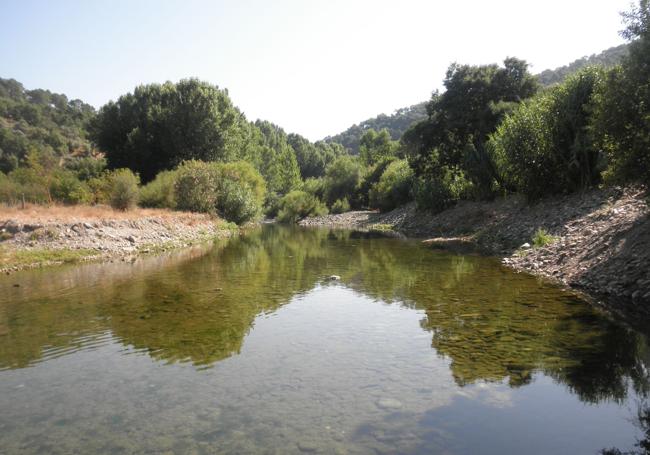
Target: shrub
pixel 439 193
pixel 340 206
pixel 31 185
pixel 370 178
pixel 236 191
pixel 87 168
pixel 123 189
pixel 272 204
pixel 159 193
pixel 314 186
pixel 195 187
pixel 544 146
pixel 542 238
pixel 237 202
pixel 67 188
pixel 393 188
pixel 297 205
pixel 342 178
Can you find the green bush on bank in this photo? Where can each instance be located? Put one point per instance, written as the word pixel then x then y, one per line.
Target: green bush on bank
pixel 544 147
pixel 123 189
pixel 340 206
pixel 393 188
pixel 159 193
pixel 235 191
pixel 297 205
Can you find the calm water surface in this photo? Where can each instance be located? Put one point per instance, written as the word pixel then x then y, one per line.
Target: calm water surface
pixel 245 347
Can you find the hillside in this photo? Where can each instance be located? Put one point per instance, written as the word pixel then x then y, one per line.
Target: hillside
pixel 39 119
pixel 398 122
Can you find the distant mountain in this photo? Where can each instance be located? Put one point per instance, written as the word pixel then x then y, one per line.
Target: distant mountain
pixel 398 122
pixel 606 58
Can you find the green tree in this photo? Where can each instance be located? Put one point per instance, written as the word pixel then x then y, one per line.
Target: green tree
pixel 342 179
pixel 160 125
pixel 622 113
pixel 375 146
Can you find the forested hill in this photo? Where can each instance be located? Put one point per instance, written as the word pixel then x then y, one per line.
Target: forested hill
pixel 398 122
pixel 39 119
pixel 606 58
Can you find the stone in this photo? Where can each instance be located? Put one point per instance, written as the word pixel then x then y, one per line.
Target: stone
pixel 131 239
pixel 334 278
pixel 389 403
pixel 525 246
pixel 88 225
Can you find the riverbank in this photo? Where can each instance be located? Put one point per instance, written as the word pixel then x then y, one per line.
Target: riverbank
pixel 598 241
pixel 39 236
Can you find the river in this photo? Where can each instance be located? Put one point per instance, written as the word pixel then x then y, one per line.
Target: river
pixel 246 346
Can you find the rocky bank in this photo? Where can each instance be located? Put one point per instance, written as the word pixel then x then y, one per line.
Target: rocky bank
pixel 599 244
pixel 33 237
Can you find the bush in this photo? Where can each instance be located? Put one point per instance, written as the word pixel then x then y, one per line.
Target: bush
pixel 298 205
pixel 87 168
pixel 440 193
pixel 272 204
pixel 160 193
pixel 370 178
pixel 67 188
pixel 542 238
pixel 236 191
pixel 314 186
pixel 544 146
pixel 393 188
pixel 123 189
pixel 342 178
pixel 195 187
pixel 31 185
pixel 340 206
pixel 237 202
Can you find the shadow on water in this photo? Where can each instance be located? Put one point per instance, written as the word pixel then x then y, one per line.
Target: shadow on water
pixel 199 305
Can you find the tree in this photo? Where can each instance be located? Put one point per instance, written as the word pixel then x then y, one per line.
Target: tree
pixel 375 146
pixel 158 126
pixel 622 112
pixel 461 119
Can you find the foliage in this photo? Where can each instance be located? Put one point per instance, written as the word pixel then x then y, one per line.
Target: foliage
pixel 314 158
pixel 542 238
pixel 236 191
pixel 86 167
pixel 376 146
pixel 160 192
pixel 606 59
pixel 340 206
pixel 123 189
pixel 342 178
pixel 396 124
pixel 38 120
pixel 442 192
pixel 544 146
pixel 393 188
pixel 160 125
pixel 67 188
pixel 461 119
pixel 298 205
pixel 622 109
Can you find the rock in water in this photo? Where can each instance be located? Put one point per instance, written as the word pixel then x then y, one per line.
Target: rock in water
pixel 334 278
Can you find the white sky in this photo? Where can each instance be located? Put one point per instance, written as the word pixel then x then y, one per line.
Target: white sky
pixel 312 67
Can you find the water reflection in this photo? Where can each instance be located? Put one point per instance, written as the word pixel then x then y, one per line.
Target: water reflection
pixel 198 307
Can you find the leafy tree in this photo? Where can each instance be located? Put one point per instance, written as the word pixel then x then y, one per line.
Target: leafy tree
pixel 313 158
pixel 544 147
pixel 453 138
pixel 375 146
pixel 622 113
pixel 393 188
pixel 342 178
pixel 160 125
pixel 275 158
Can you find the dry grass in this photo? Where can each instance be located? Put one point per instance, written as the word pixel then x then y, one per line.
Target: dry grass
pixel 79 213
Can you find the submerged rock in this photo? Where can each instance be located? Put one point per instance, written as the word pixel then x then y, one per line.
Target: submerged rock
pixel 334 278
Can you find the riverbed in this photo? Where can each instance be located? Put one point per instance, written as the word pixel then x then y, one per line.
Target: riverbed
pixel 247 346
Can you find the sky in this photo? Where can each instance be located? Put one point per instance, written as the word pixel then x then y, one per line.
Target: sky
pixel 312 67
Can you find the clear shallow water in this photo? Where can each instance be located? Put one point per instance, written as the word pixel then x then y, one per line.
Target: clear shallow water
pixel 244 347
